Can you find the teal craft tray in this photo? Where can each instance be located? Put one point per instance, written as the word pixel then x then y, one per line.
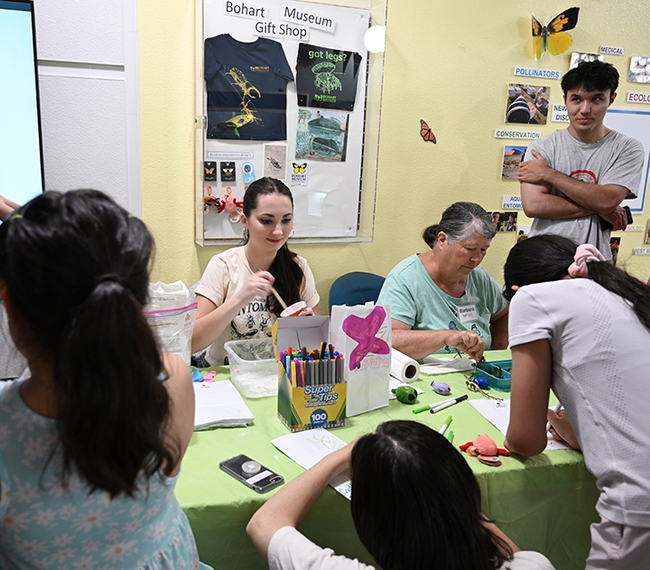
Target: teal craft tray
pixel 497 373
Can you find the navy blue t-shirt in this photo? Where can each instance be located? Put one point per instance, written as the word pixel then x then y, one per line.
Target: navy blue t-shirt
pixel 247 89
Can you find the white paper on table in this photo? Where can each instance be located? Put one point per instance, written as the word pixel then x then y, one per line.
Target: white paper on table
pixel 308 447
pixel 497 412
pixel 434 365
pixel 394 383
pixel 218 404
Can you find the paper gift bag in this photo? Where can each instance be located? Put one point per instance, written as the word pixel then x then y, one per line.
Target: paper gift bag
pixel 363 335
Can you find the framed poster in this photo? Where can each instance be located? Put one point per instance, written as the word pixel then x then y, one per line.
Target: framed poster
pixel 285 93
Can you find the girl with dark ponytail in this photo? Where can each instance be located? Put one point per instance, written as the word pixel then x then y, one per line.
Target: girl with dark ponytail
pixel 235 298
pixel 92 441
pixel 581 327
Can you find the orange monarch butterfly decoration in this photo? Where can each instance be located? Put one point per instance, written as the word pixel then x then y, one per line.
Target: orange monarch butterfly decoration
pixel 426 133
pixel 553 37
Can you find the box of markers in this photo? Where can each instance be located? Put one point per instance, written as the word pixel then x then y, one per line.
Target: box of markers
pixel 311 387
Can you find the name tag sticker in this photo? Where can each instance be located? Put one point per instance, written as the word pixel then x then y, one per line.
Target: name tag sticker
pixel 467 313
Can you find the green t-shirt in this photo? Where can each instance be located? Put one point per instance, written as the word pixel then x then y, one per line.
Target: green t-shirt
pixel 416 300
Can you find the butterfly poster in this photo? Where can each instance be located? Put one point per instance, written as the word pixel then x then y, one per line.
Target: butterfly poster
pixel 299 173
pixel 554 37
pixel 209 171
pixel 426 133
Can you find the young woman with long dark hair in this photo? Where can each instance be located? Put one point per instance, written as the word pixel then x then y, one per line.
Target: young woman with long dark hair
pixel 581 327
pixel 91 442
pixel 403 476
pixel 234 296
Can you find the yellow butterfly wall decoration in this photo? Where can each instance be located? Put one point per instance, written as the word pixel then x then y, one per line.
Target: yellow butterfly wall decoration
pixel 553 37
pixel 299 168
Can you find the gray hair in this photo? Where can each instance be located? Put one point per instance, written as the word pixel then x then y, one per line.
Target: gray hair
pixel 460 221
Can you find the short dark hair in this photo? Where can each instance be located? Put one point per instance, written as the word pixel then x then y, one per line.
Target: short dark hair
pixel 403 476
pixel 591 76
pixel 76 266
pixel 289 276
pixel 459 221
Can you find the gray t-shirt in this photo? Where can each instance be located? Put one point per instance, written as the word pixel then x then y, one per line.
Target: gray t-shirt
pixel 614 159
pixel 601 358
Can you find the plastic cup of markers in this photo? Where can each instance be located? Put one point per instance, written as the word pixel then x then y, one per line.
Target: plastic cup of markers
pixel 294 310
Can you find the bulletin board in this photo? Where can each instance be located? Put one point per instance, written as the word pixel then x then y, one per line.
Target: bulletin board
pixel 634 123
pixel 314 142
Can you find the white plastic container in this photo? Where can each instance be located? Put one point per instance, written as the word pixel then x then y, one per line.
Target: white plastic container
pixel 253 368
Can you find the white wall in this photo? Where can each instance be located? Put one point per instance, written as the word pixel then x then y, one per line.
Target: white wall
pixel 88 80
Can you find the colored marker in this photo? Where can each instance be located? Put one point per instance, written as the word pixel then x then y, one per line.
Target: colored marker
pixel 450 436
pixel 443 427
pixel 288 361
pixel 431 406
pixel 444 405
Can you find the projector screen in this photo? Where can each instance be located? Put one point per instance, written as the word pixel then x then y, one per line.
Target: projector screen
pixel 21 158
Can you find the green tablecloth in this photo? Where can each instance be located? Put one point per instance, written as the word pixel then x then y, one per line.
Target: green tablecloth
pixel 544 503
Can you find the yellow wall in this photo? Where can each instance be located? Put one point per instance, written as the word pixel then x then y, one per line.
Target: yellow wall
pixel 448 63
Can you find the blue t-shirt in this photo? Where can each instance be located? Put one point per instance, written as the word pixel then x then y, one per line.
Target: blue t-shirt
pixel 247 89
pixel 416 300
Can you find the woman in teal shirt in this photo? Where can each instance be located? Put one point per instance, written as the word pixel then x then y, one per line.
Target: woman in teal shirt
pixel 441 299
